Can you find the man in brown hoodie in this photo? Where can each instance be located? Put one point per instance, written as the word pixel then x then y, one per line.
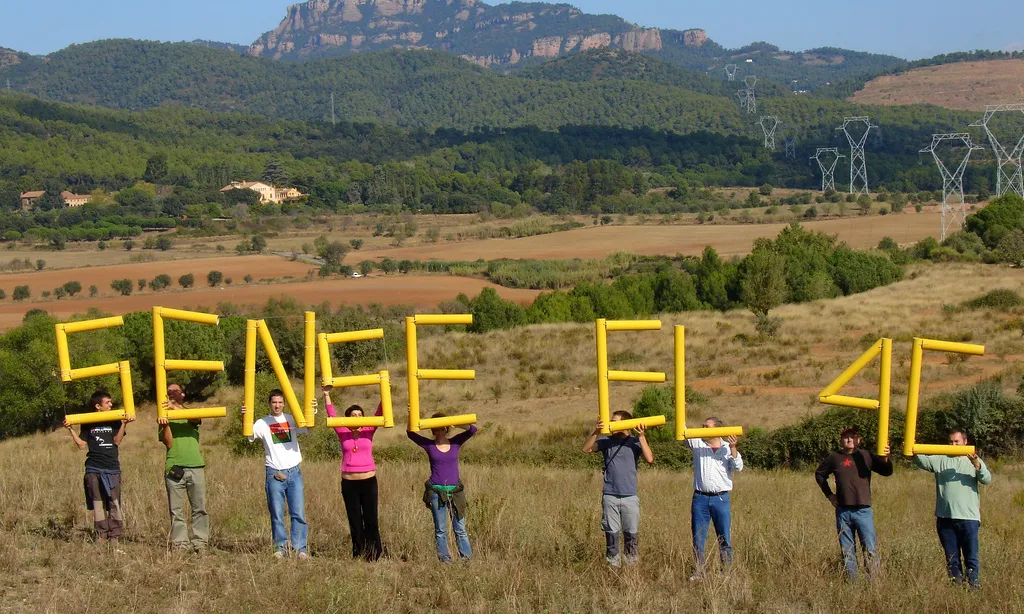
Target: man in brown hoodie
pixel 851 467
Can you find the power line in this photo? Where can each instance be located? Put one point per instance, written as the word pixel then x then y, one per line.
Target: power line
pixel 952 180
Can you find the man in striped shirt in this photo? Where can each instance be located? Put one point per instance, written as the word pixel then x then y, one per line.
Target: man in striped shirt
pixel 714 462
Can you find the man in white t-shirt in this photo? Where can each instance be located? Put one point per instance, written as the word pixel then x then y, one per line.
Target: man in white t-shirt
pixel 277 432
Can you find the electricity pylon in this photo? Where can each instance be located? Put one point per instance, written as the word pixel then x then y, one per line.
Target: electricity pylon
pixel 828 171
pixel 858 165
pixel 1009 175
pixel 768 125
pixel 952 180
pixel 742 95
pixel 750 82
pixel 730 72
pixel 789 146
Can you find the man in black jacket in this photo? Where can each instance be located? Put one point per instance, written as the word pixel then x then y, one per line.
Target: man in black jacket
pixel 852 467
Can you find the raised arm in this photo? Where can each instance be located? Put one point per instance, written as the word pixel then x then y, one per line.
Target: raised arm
pixel 165 434
pixel 464 436
pixel 926 462
pixel 984 475
pixel 735 460
pixel 590 445
pixel 74 436
pixel 370 431
pixel 644 447
pixel 121 431
pixel 418 439
pixel 882 465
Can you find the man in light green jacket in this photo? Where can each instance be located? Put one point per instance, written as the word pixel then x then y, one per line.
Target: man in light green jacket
pixel 958 506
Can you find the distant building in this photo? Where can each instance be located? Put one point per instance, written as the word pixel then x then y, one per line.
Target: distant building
pixel 268 193
pixel 28 199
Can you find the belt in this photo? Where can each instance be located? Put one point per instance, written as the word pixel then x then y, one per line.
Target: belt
pixel 711 494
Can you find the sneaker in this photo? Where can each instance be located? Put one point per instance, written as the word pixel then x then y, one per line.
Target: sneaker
pixel 302 556
pixel 278 554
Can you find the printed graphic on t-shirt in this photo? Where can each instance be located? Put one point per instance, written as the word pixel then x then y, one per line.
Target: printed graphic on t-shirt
pixel 102 436
pixel 280 432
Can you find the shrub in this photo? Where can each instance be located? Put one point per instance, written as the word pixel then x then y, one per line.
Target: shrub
pixel 765 190
pixel 93 290
pixel 128 245
pixel 213 278
pixel 227 281
pixel 124 286
pixel 1001 299
pixel 102 245
pixel 186 280
pixel 40 264
pixel 72 288
pixel 21 293
pixel 259 243
pixel 142 284
pixel 160 282
pixel 3 294
pixel 59 292
pixel 247 279
pixel 355 243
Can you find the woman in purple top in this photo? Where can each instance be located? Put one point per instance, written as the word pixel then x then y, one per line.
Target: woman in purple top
pixel 359 482
pixel 444 492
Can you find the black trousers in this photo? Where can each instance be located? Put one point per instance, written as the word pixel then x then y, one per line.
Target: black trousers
pixel 361 505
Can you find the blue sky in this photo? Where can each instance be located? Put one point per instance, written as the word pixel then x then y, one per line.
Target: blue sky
pixel 897 27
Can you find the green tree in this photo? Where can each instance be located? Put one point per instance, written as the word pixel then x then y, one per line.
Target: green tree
pixel 766 189
pixel 356 244
pixel 764 281
pixel 160 282
pixel 366 267
pixel 40 264
pixel 21 293
pixel 247 279
pixel 1011 248
pixel 259 243
pixel 124 286
pixel 164 243
pixel 213 278
pixel 186 280
pixel 59 292
pixel 72 288
pixel 156 169
pixel 142 284
pixel 128 245
pixel 93 290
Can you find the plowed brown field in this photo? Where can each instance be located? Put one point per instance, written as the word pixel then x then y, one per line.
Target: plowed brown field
pixel 417 290
pixel 728 240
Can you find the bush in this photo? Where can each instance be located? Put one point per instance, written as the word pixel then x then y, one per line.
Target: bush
pixel 160 282
pixel 1001 299
pixel 72 288
pixel 128 245
pixel 40 264
pixel 93 290
pixel 247 279
pixel 213 278
pixel 21 293
pixel 164 243
pixel 142 284
pixel 124 286
pixel 355 243
pixel 3 294
pixel 186 280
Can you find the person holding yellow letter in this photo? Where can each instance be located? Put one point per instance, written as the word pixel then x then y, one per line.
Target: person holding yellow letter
pixel 620 501
pixel 184 474
pixel 359 481
pixel 102 481
pixel 444 493
pixel 714 462
pixel 278 434
pixel 958 507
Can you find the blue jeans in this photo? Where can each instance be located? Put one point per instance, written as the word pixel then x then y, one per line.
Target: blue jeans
pixel 706 510
pixel 859 521
pixel 291 490
pixel 441 512
pixel 960 537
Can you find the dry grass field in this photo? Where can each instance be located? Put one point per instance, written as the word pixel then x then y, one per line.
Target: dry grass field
pixel 966 86
pixel 727 239
pixel 535 533
pixel 535 529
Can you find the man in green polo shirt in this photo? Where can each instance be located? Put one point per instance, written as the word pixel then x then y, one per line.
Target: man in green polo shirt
pixel 958 506
pixel 183 475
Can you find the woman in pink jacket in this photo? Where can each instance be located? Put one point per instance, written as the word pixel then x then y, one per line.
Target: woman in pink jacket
pixel 359 482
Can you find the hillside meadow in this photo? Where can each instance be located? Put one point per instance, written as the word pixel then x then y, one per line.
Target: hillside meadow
pixel 535 532
pixel 535 528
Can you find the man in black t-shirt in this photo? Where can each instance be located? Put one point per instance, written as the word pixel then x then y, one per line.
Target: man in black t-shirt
pixel 102 481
